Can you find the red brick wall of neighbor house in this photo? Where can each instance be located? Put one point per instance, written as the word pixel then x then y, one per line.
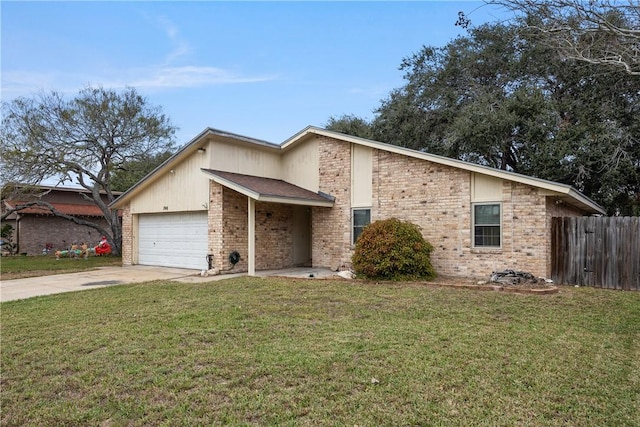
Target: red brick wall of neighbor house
pixel 36 231
pixel 127 235
pixel 331 228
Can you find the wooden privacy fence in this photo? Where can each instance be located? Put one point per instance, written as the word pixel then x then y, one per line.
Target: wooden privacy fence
pixel 602 252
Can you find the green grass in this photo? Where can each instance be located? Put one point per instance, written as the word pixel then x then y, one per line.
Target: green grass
pixel 13 267
pixel 251 351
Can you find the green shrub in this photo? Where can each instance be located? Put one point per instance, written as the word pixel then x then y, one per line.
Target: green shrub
pixel 391 249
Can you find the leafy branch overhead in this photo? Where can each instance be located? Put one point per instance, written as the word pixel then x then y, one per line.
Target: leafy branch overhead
pixel 83 140
pixel 504 96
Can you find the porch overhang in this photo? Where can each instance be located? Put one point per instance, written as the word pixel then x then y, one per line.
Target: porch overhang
pixel 262 189
pixel 269 189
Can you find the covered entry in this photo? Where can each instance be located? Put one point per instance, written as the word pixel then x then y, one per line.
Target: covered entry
pixel 173 240
pixel 283 216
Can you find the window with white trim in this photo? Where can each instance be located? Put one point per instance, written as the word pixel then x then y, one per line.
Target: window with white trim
pixel 487 226
pixel 360 218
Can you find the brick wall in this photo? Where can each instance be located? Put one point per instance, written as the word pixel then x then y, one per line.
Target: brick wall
pixel 228 231
pixel 331 228
pixel 274 236
pixel 36 231
pixel 127 235
pixel 215 225
pixel 438 199
pixel 234 228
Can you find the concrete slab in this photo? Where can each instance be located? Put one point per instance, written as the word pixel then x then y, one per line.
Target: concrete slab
pixel 99 278
pixel 110 276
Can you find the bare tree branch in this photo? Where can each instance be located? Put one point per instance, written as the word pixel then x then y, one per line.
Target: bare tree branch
pixel 601 32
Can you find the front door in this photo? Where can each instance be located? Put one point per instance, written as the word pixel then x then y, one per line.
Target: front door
pixel 302 236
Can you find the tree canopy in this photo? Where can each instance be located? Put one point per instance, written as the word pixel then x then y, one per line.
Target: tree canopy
pixel 503 97
pixel 130 172
pixel 83 140
pixel 350 125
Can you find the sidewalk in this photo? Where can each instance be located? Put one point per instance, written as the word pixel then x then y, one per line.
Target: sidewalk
pixel 109 276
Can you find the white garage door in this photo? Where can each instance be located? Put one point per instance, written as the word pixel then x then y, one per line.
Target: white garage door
pixel 173 240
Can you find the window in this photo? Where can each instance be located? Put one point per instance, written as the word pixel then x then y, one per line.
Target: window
pixel 486 225
pixel 361 218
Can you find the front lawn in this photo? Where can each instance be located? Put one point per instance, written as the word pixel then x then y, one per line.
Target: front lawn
pixel 15 267
pixel 255 351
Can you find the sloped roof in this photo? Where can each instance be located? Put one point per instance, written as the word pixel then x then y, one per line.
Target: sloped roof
pixel 563 192
pixel 65 208
pixel 269 189
pixel 49 194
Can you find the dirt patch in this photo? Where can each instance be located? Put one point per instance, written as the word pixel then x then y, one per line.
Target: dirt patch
pixel 539 287
pixel 525 287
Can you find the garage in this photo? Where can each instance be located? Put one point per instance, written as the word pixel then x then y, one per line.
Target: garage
pixel 173 240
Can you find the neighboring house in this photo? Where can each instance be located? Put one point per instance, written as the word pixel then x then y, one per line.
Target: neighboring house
pixel 305 201
pixel 36 230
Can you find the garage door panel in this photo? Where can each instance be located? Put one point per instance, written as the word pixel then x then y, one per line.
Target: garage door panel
pixel 173 240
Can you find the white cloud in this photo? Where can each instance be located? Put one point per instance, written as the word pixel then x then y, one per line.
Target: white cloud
pixel 180 46
pixel 162 75
pixel 193 76
pixel 370 92
pixel 28 83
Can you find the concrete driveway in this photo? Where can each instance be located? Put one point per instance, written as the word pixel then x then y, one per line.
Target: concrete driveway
pixel 108 276
pixel 103 276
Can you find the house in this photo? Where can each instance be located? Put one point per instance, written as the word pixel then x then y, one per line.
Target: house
pixel 240 204
pixel 36 230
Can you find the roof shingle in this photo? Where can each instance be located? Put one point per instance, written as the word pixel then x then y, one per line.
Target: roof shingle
pixel 65 208
pixel 275 188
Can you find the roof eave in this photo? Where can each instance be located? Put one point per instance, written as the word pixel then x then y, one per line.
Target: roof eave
pixel 267 197
pixel 182 153
pixel 586 202
pixel 580 199
pixel 294 201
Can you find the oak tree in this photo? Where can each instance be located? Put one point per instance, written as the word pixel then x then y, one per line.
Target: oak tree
pixel 83 140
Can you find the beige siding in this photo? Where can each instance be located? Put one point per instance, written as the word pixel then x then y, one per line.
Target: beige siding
pixel 300 166
pixel 246 160
pixel 361 176
pixel 486 188
pixel 183 188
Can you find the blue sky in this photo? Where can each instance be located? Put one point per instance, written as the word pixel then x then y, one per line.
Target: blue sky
pixel 261 69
